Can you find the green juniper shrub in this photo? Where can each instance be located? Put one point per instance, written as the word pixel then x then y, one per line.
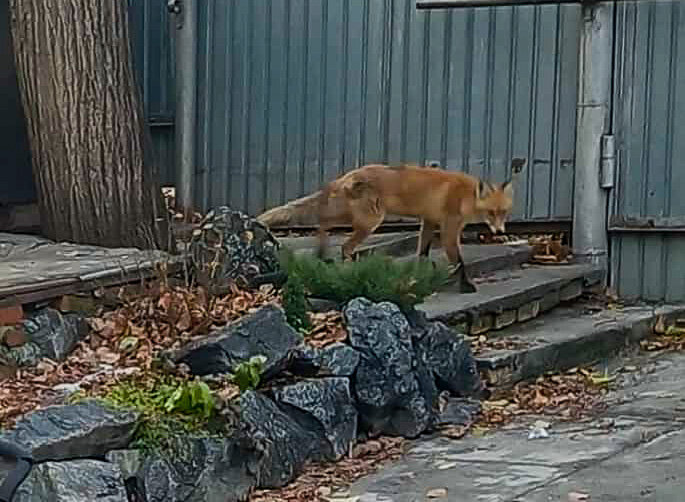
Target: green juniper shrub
pixel 375 277
pixel 295 303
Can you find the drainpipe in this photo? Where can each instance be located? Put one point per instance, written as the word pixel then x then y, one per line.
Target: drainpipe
pixel 185 12
pixel 590 241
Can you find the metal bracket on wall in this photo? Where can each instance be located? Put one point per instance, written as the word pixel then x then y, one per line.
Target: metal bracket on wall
pixel 607 171
pixel 175 8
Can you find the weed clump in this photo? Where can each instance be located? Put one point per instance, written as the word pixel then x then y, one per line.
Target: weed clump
pixel 169 406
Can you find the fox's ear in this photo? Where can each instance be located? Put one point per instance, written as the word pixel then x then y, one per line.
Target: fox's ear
pixel 483 190
pixel 508 188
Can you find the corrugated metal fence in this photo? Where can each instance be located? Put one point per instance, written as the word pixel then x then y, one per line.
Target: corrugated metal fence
pixel 293 92
pixel 649 120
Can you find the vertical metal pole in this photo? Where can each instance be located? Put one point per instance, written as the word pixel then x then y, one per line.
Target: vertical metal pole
pixel 186 100
pixel 590 241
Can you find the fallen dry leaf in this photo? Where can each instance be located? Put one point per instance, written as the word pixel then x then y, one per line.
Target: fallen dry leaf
pixel 548 249
pixel 327 328
pixel 578 497
pixel 437 493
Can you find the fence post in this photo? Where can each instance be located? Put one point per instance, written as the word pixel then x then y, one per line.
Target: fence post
pixel 185 119
pixel 590 240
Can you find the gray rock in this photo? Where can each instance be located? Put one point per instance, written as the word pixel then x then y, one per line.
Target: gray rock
pixel 65 432
pixel 337 359
pixel 130 462
pixel 395 394
pixel 447 354
pixel 458 411
pixel 73 481
pixel 55 333
pixel 199 470
pixel 323 405
pixel 242 247
pixel 49 334
pixel 265 332
pixel 283 444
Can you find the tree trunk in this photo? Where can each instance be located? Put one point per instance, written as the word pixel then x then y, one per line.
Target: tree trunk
pixel 90 145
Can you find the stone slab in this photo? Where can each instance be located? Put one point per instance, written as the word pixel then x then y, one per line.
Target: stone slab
pixel 567 337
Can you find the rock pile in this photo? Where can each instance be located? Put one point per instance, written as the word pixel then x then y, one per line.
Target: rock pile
pixel 384 379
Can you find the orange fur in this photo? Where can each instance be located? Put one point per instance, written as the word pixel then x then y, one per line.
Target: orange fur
pixel 447 200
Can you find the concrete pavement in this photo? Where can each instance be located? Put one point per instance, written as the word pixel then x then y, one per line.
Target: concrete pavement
pixel 634 451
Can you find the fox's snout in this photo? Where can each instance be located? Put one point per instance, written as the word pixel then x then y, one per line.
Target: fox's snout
pixel 497 227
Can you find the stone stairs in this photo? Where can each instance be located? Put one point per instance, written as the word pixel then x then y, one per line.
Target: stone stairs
pixel 525 320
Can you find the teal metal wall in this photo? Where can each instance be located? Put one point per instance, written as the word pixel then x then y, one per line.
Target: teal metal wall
pixel 649 123
pixel 293 92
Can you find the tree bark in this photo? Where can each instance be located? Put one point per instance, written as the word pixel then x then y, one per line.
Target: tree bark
pixel 90 145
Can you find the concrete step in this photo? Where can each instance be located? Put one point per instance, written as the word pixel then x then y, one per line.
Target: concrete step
pixel 479 258
pixel 509 296
pixel 566 337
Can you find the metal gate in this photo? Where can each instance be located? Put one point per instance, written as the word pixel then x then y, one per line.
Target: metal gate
pixel 647 210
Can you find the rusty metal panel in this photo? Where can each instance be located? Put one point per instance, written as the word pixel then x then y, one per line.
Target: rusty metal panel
pixel 649 122
pixel 293 92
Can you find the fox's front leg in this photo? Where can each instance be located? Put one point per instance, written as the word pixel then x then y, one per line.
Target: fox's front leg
pixel 450 236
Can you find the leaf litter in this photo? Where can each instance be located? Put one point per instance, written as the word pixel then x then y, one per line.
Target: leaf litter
pixel 319 480
pixel 126 340
pixel 566 396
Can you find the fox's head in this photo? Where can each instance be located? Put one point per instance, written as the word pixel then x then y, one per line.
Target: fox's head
pixel 494 203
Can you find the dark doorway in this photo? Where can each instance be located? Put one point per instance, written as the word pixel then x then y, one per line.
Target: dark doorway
pixel 16 179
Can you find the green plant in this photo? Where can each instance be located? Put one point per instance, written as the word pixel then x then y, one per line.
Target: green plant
pixel 375 277
pixel 168 405
pixel 191 398
pixel 248 374
pixel 295 303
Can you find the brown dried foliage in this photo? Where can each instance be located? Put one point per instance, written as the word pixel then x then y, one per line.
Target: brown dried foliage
pixel 127 337
pixel 319 479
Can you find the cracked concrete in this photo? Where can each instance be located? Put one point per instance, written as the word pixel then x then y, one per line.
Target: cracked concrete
pixel 634 451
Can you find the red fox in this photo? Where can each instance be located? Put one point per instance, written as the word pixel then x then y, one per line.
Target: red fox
pixel 447 200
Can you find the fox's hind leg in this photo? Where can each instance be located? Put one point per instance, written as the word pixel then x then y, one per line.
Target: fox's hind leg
pixel 364 223
pixel 322 233
pixel 425 238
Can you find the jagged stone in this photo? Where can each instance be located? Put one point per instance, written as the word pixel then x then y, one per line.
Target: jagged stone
pixel 73 481
pixel 64 432
pixel 325 406
pixel 447 354
pixel 50 334
pixel 283 444
pixel 242 248
pixel 265 332
pixel 199 470
pixel 395 394
pixel 458 411
pixel 337 359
